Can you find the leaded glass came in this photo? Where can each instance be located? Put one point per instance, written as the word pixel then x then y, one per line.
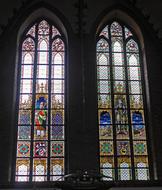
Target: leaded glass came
pixel 41 120
pixel 121 121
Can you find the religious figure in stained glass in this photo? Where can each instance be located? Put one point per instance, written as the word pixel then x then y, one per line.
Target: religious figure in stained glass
pixel 122 134
pixel 41 104
pixel 41 117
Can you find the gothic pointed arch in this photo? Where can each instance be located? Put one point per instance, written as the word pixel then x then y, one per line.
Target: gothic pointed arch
pixel 41 98
pixel 121 89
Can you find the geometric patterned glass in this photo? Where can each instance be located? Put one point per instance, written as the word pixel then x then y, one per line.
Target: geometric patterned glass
pixel 41 97
pixel 121 112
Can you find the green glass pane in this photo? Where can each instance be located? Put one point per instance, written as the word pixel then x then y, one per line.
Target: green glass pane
pixel 57 148
pixel 140 147
pixel 23 149
pixel 106 148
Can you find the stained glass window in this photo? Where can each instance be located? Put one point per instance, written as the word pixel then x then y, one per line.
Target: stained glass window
pixel 121 112
pixel 41 110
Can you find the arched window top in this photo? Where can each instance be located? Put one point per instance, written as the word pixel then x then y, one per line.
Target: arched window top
pixel 28 58
pixel 28 44
pixel 117 46
pixel 102 45
pixel 43 28
pixel 131 26
pixel 120 103
pixel 43 45
pixel 116 29
pixel 58 45
pixel 41 104
pixel 131 46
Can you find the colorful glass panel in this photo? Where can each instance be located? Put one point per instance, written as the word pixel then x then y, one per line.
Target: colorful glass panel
pixel 41 105
pixel 23 149
pixel 106 148
pixel 22 169
pixel 116 29
pixel 122 131
pixel 123 148
pixel 40 149
pixel 140 148
pixel 24 132
pixel 28 45
pixel 131 46
pixel 104 101
pixel 102 45
pixel 58 45
pixel 127 33
pixel 121 121
pixel 57 148
pixel 57 169
pixel 57 132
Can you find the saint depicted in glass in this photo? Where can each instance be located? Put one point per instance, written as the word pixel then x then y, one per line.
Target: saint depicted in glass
pixel 41 121
pixel 122 127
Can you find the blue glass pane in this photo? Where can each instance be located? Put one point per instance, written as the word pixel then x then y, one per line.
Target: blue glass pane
pixel 105 118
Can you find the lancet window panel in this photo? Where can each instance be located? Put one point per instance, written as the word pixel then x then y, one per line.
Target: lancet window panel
pixel 121 112
pixel 40 148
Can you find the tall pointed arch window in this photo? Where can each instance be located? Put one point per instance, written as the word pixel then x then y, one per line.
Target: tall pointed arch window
pixel 41 105
pixel 121 111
